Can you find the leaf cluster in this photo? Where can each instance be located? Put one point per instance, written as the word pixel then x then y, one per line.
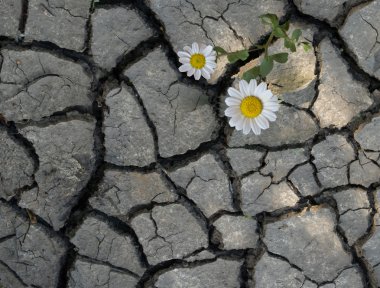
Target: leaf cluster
pixel 280 31
pixel 232 56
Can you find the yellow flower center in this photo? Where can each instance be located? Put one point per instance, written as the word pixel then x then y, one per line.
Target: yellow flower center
pixel 251 106
pixel 198 61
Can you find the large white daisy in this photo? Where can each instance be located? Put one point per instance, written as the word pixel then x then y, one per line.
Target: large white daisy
pixel 251 107
pixel 197 60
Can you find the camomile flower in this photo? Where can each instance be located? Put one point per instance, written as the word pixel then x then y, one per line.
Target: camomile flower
pixel 251 107
pixel 197 60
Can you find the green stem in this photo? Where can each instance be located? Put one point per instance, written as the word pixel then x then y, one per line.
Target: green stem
pixel 258 47
pixel 255 49
pixel 266 46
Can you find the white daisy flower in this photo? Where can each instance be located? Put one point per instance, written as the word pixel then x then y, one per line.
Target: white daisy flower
pixel 197 60
pixel 252 107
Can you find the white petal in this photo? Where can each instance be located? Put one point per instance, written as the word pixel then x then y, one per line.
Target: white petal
pixel 191 72
pixel 269 115
pixel 208 69
pixel 234 93
pixel 205 74
pixel 197 74
pixel 210 59
pixel 262 122
pixel 232 101
pixel 255 128
pixel 211 65
pixel 274 98
pixel 243 86
pixel 239 122
pixel 195 47
pixel 266 95
pixel 188 49
pixel 232 111
pixel 252 86
pixel 207 51
pixel 246 126
pixel 271 106
pixel 184 60
pixel 184 68
pixel 183 54
pixel 261 88
pixel 236 121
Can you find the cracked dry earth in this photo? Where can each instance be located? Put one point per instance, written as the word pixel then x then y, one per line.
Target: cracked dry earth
pixel 117 171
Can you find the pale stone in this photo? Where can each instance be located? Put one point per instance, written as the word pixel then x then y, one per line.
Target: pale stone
pixel 169 232
pixel 272 272
pixel 206 184
pixel 340 97
pixel 244 160
pixel 331 157
pixel 237 232
pixel 182 115
pixel 115 32
pixel 128 138
pixel 97 240
pixel 60 22
pixel 66 162
pixel 360 33
pixel 120 193
pixel 309 241
pixel 354 210
pixel 303 179
pixel 218 274
pixel 279 163
pixel 258 195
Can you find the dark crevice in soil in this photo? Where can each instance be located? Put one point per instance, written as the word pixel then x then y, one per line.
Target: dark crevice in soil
pixel 24 142
pixel 123 228
pixel 234 181
pixel 68 264
pixel 70 55
pixel 97 174
pixel 24 16
pixel 13 273
pixel 366 266
pixel 88 28
pixel 182 160
pixel 148 120
pixel 356 258
pixel 339 20
pixel 113 267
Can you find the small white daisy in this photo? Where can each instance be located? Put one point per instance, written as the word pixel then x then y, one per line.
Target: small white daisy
pixel 251 107
pixel 197 60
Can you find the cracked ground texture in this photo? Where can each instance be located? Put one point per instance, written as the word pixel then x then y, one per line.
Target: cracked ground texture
pixel 117 171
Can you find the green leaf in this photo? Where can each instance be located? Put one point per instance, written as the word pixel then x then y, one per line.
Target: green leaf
pixel 279 33
pixel 296 34
pixel 306 46
pixel 288 43
pixel 285 26
pixel 280 57
pixel 269 19
pixel 220 50
pixel 266 66
pixel 251 73
pixel 238 55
